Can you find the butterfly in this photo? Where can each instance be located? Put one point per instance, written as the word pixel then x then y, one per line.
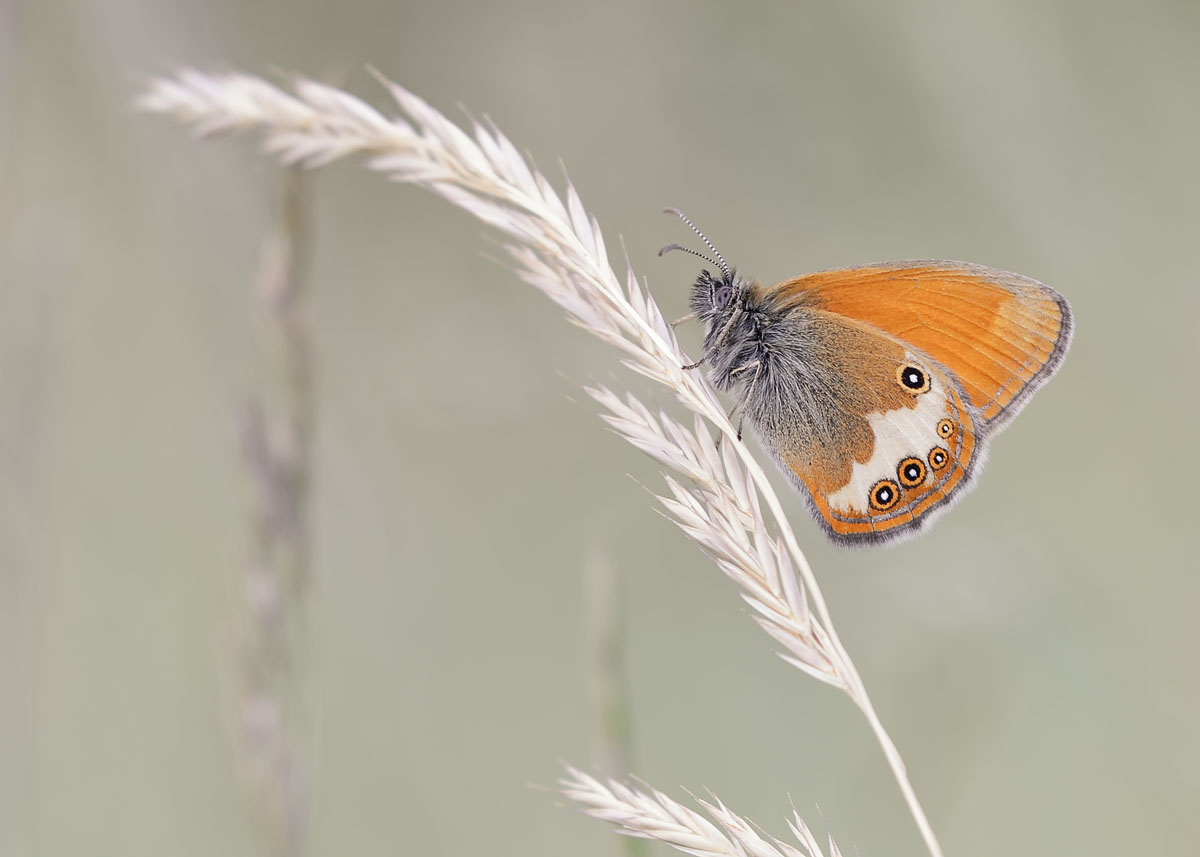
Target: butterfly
pixel 877 388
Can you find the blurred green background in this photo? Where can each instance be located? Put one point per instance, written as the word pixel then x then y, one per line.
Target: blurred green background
pixel 1033 655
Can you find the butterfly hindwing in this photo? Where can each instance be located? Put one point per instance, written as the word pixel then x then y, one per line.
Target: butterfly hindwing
pixel 883 443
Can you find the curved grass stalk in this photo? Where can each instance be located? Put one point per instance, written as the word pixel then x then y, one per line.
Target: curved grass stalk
pixel 558 248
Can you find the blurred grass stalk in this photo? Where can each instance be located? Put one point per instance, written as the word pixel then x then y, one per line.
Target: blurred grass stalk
pixel 717 491
pixel 612 741
pixel 277 440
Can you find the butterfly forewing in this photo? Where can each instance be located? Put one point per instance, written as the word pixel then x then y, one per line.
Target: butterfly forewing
pixel 1001 334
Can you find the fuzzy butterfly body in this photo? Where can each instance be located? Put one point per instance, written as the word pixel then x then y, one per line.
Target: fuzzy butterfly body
pixel 877 388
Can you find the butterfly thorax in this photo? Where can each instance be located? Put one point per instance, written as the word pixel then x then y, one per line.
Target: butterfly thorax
pixel 743 330
pixel 773 354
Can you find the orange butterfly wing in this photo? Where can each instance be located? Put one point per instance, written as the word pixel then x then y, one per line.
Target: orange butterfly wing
pixel 1001 334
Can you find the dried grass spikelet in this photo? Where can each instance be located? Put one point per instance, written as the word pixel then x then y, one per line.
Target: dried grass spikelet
pixel 718 493
pixel 653 815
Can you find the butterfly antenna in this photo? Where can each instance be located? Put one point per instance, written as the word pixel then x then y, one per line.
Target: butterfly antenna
pixel 671 247
pixel 720 259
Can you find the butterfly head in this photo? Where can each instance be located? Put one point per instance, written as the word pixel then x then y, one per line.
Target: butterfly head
pixel 734 326
pixel 716 297
pixel 715 294
pixel 726 304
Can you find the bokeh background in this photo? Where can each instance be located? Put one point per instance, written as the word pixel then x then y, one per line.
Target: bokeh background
pixel 1033 655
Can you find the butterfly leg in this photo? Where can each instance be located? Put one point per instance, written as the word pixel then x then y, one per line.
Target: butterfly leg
pixel 689 317
pixel 721 340
pixel 697 364
pixel 757 367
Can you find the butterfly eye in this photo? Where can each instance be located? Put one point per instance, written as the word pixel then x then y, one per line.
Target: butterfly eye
pixel 912 379
pixel 945 428
pixel 938 458
pixel 721 296
pixel 884 495
pixel 911 472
